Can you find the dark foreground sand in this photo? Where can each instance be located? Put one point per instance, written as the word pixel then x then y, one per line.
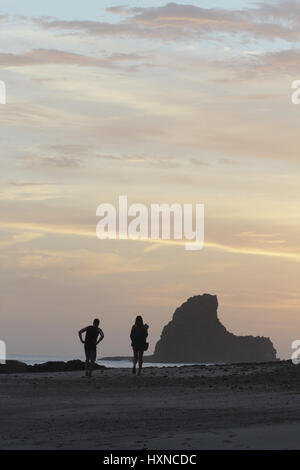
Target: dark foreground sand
pixel 215 407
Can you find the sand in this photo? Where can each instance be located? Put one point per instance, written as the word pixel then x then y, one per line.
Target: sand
pixel 255 406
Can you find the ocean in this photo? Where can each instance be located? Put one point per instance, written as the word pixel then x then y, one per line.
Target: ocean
pixel 30 360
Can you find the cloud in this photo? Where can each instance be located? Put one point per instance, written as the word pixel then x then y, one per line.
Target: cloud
pixel 77 156
pixel 94 28
pixel 270 21
pixel 275 65
pixel 227 161
pixel 160 162
pixel 20 238
pixel 32 115
pixel 220 161
pixel 37 57
pixel 118 10
pixel 208 244
pixel 257 235
pixel 30 191
pixel 54 161
pixel 57 156
pixel 279 20
pixel 285 62
pixel 197 162
pixel 86 263
pixel 262 238
pixel 31 183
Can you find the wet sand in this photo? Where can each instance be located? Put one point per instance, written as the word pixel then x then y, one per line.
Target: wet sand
pixel 247 406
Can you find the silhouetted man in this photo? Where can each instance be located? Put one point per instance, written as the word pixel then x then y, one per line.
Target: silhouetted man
pixel 90 344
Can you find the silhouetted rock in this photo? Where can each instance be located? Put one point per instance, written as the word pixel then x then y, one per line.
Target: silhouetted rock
pixel 51 366
pixel 58 366
pixel 13 366
pixel 195 334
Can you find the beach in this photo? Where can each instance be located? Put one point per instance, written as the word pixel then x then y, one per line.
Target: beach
pixel 238 406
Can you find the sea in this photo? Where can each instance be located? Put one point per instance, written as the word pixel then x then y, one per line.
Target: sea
pixel 122 363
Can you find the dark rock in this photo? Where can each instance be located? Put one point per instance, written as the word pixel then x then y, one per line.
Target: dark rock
pixel 58 366
pixel 51 366
pixel 195 334
pixel 13 367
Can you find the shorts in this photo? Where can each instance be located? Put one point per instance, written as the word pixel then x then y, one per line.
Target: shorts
pixel 90 354
pixel 138 347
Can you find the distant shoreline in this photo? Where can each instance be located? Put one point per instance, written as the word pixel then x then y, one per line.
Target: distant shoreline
pixel 20 367
pixel 151 359
pixel 124 358
pixel 17 367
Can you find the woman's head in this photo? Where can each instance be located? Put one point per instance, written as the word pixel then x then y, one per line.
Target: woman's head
pixel 139 321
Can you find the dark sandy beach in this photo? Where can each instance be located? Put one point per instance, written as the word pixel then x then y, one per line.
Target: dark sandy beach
pixel 247 406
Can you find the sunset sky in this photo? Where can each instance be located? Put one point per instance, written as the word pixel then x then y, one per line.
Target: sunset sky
pixel 186 102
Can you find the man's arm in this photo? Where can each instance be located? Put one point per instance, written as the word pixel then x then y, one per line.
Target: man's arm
pixel 101 336
pixel 80 333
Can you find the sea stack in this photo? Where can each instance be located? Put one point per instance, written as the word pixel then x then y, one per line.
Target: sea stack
pixel 195 334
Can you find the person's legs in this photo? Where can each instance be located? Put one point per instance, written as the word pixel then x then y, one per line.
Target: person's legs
pixel 140 354
pixel 93 355
pixel 91 366
pixel 86 362
pixel 135 359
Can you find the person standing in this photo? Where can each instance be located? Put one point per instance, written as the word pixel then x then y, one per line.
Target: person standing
pixel 90 344
pixel 138 335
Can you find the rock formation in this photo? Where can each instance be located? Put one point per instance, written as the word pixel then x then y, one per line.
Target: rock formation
pixel 195 334
pixel 13 367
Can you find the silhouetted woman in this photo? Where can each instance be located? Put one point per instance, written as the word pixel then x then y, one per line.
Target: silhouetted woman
pixel 138 335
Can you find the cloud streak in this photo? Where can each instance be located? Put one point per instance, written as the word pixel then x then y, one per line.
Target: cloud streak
pixel 174 21
pixel 81 232
pixel 37 57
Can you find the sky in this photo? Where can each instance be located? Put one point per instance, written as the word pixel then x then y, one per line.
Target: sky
pixel 186 102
